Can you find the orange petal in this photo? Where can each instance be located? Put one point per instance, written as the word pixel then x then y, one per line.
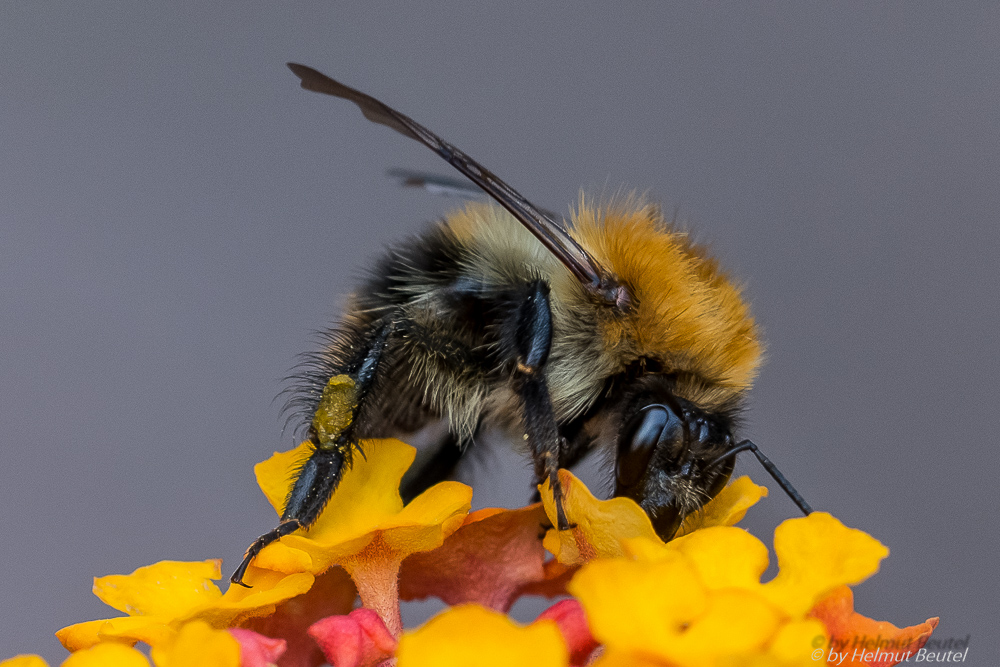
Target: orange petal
pixel 600 526
pixel 487 561
pixel 473 636
pixel 874 643
pixel 556 578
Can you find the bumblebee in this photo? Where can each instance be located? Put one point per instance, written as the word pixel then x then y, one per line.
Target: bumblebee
pixel 616 332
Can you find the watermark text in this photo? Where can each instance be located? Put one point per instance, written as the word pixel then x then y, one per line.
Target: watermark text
pixel 838 650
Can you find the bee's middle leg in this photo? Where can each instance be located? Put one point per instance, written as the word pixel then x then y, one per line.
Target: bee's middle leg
pixel 440 466
pixel 528 339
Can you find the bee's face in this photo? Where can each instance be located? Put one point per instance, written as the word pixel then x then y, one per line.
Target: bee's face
pixel 665 446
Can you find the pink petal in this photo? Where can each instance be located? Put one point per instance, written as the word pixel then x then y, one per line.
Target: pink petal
pixel 572 622
pixel 332 593
pixel 359 639
pixel 256 650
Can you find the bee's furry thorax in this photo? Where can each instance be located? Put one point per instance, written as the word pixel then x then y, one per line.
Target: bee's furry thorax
pixel 687 315
pixel 687 319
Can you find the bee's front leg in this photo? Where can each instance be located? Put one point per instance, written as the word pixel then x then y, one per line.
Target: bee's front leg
pixel 527 339
pixel 333 437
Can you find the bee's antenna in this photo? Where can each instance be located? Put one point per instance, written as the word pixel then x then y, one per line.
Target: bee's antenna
pixel 772 469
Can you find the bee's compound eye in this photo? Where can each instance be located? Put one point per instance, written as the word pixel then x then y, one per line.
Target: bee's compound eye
pixel 641 436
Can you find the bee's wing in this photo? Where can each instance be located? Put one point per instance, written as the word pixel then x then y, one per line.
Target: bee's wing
pixel 587 270
pixel 436 184
pixel 444 186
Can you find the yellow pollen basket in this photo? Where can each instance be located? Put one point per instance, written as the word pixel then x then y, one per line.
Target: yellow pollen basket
pixel 336 408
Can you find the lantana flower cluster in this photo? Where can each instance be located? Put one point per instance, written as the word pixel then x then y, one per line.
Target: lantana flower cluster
pixel 331 594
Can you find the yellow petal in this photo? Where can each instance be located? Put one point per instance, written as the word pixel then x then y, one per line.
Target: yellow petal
pixel 424 523
pixel 198 645
pixel 600 526
pixel 107 655
pixel 473 636
pixel 816 554
pixel 612 657
pixel 80 635
pixel 167 588
pixel 131 629
pixel 240 604
pixel 276 474
pixel 641 606
pixel 24 660
pixel 661 609
pixel 279 557
pixel 125 630
pixel 365 527
pixel 736 622
pixel 727 508
pixel 366 502
pixel 724 556
pixel 796 642
pixel 368 494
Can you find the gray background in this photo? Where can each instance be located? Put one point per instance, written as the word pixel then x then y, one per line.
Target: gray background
pixel 176 217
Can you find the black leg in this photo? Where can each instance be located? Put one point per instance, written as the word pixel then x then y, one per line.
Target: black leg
pixel 284 528
pixel 530 339
pixel 333 437
pixel 438 468
pixel 544 439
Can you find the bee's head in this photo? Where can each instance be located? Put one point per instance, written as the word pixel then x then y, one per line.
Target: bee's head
pixel 665 445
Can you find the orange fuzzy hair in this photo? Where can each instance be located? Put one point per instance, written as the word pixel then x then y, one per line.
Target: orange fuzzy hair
pixel 686 313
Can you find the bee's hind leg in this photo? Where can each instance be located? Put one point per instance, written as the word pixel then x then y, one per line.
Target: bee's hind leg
pixel 526 337
pixel 333 444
